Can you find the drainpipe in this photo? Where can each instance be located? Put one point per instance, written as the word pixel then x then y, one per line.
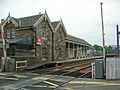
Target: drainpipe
pixel 35 44
pixel 52 46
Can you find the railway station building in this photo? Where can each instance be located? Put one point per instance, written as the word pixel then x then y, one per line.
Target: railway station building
pixel 37 39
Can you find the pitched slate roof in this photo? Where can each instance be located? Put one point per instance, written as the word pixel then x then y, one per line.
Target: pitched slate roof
pixel 27 21
pixel 78 40
pixel 54 24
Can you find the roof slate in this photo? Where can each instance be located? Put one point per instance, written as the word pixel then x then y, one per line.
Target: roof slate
pixel 17 20
pixel 78 40
pixel 54 24
pixel 27 21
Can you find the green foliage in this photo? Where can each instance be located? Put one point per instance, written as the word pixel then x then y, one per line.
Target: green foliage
pixel 98 47
pixel 108 49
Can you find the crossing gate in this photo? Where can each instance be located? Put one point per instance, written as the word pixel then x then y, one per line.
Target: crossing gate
pixel 20 65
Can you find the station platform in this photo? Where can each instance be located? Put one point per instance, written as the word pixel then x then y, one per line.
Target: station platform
pixel 32 81
pixel 64 61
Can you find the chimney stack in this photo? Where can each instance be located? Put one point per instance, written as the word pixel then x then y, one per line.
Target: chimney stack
pixel 39 13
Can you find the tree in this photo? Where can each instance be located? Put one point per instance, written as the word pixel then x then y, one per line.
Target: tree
pixel 98 47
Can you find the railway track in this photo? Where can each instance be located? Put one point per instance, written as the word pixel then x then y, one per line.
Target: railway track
pixel 80 70
pixel 76 70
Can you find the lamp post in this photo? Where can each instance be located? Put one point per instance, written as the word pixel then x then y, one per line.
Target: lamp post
pixel 103 39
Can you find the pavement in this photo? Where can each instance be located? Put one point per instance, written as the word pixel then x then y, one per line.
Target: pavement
pixel 32 81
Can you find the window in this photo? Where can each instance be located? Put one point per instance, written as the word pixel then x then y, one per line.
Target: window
pixel 13 33
pixel 44 32
pixel 8 33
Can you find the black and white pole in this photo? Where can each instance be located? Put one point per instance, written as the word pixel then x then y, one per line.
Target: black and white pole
pixel 3 40
pixel 103 38
pixel 4 48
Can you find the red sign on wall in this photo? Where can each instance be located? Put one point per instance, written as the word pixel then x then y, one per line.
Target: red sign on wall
pixel 38 41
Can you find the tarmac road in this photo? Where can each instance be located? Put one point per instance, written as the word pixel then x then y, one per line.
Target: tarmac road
pixel 32 81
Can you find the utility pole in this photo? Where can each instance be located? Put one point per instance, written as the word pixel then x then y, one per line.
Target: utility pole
pixel 103 34
pixel 117 27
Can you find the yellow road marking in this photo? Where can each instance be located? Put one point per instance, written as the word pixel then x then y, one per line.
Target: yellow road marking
pixel 68 88
pixel 52 87
pixel 12 78
pixel 20 76
pixel 51 83
pixel 59 80
pixel 40 78
pixel 96 83
pixel 77 87
pixel 37 86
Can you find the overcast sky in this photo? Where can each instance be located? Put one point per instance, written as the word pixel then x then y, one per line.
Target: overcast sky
pixel 82 18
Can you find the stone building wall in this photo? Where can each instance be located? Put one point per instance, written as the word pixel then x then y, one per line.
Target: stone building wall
pixel 59 44
pixel 44 51
pixel 30 60
pixel 24 32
